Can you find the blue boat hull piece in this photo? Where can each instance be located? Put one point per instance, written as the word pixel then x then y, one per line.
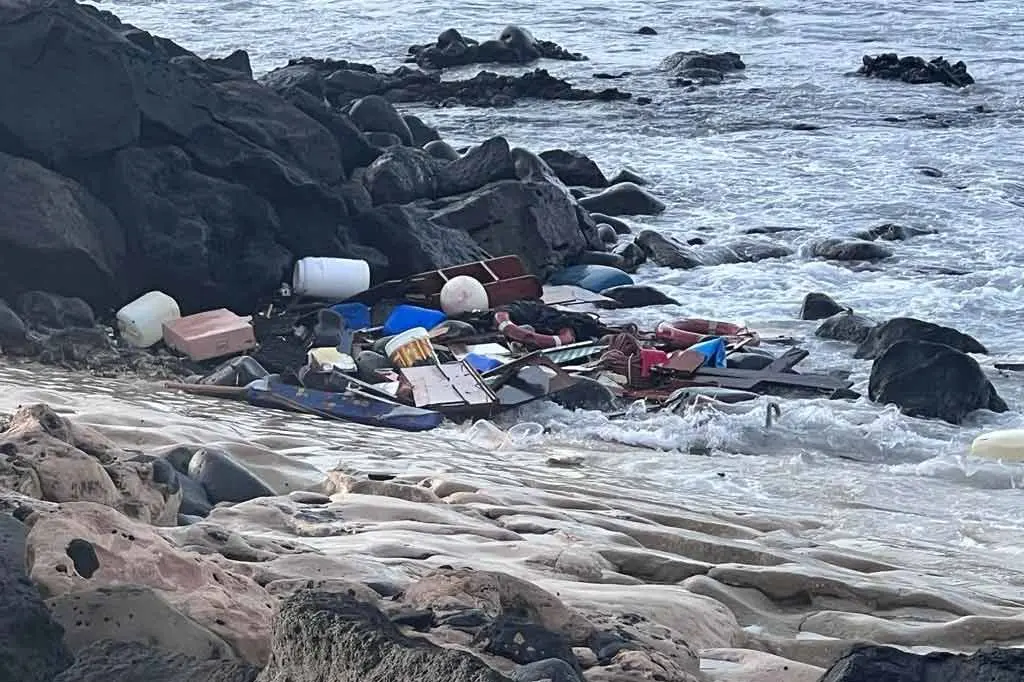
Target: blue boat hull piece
pixel 352 406
pixel 595 278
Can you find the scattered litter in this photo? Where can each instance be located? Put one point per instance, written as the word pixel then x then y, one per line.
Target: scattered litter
pixel 466 342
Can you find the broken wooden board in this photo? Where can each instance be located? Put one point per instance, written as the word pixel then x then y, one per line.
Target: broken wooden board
pixel 453 387
pixel 776 373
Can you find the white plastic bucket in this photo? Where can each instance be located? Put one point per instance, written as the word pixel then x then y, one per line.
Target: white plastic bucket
pixel 331 278
pixel 411 348
pixel 141 322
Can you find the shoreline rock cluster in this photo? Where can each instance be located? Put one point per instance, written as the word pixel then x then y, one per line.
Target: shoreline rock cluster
pixel 451 578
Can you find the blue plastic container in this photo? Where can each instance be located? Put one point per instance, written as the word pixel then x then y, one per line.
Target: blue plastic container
pixel 357 315
pixel 482 363
pixel 713 351
pixel 594 278
pixel 405 317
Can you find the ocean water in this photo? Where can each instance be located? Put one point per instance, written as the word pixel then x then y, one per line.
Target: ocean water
pixel 725 159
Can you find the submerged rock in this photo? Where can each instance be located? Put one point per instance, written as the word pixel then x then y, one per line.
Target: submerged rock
pixel 931 380
pixel 623 199
pixel 846 326
pixel 701 68
pixel 667 252
pixel 110 661
pixel 849 249
pixel 818 306
pixel 333 636
pixel 638 296
pixel 875 663
pixel 515 45
pixel 892 232
pixel 31 642
pixel 915 70
pixel 911 329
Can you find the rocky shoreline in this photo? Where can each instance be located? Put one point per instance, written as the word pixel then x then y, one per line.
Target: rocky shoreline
pixel 365 575
pixel 122 559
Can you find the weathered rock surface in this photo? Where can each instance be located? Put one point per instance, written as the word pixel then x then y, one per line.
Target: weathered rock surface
pixel 115 550
pixel 373 113
pixel 133 613
pixel 911 329
pixel 870 663
pixel 46 456
pixel 931 380
pixel 515 45
pixel 534 220
pixel 331 636
pixel 915 70
pixel 110 661
pixel 31 642
pixel 53 233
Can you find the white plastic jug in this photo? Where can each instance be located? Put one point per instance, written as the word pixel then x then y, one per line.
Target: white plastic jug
pixel 141 322
pixel 331 278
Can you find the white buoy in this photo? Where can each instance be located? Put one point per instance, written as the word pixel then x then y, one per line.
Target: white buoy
pixel 463 294
pixel 1007 445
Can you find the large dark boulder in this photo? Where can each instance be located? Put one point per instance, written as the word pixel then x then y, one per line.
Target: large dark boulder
pixel 874 663
pixel 911 329
pixel 818 306
pixel 333 636
pixel 356 149
pixel 413 242
pixel 514 45
pixel 406 174
pixel 373 113
pixel 54 235
pixel 574 168
pixel 31 643
pixel 197 238
pixel 109 661
pixel 44 310
pixel 534 220
pixel 931 380
pixel 625 198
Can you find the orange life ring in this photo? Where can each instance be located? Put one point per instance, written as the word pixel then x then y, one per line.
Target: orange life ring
pixel 514 332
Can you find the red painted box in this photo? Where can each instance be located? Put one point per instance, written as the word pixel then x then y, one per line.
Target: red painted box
pixel 211 334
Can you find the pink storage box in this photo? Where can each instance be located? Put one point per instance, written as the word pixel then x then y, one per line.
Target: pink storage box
pixel 212 334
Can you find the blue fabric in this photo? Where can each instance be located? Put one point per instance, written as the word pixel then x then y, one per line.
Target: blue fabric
pixel 405 317
pixel 482 363
pixel 713 351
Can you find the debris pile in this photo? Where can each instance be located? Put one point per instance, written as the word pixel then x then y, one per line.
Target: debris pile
pixel 465 342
